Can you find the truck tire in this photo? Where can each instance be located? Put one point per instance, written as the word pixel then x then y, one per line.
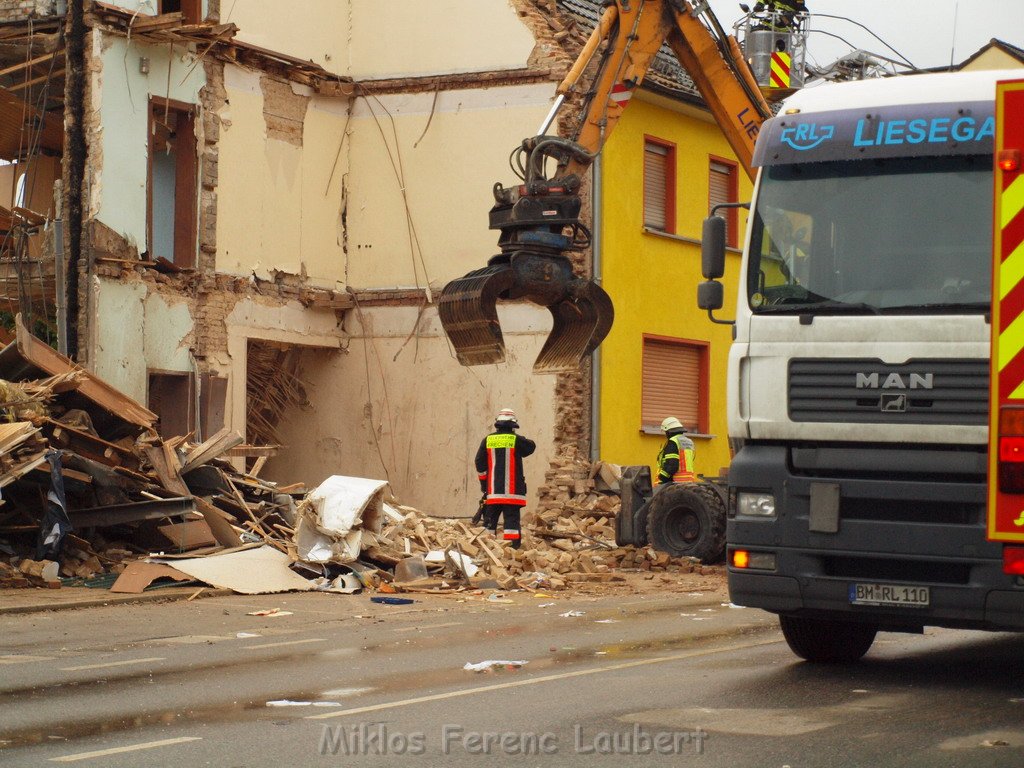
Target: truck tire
pixel 687 520
pixel 826 641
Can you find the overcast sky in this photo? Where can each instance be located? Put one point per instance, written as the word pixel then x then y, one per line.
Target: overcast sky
pixel 921 30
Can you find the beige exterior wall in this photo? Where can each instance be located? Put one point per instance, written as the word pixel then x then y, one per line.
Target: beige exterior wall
pixel 444 157
pixel 370 39
pixel 278 206
pixel 405 38
pixel 314 30
pixel 994 59
pixel 400 408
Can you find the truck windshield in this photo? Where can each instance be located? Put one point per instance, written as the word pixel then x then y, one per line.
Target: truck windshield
pixel 896 236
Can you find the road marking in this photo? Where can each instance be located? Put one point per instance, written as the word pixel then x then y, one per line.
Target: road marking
pixel 17 659
pixel 286 642
pixel 536 680
pixel 111 664
pixel 120 750
pixel 430 626
pixel 191 639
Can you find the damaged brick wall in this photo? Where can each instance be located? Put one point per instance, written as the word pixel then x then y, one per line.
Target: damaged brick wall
pixel 558 43
pixel 284 111
pixel 21 10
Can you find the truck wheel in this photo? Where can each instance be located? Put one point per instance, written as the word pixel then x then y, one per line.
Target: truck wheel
pixel 687 520
pixel 826 641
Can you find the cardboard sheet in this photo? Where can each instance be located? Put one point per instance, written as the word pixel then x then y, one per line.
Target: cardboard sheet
pixel 140 574
pixel 260 571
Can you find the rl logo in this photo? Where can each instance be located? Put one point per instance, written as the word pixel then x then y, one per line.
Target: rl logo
pixel 806 135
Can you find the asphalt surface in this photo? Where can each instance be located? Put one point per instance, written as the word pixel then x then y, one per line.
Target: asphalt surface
pixel 681 678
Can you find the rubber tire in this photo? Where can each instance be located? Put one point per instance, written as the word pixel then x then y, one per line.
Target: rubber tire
pixel 825 641
pixel 687 520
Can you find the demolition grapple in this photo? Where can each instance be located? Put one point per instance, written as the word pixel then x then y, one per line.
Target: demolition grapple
pixel 539 222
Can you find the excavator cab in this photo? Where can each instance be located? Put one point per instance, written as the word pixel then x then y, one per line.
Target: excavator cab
pixel 539 222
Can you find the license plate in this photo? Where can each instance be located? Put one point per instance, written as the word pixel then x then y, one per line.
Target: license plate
pixel 900 595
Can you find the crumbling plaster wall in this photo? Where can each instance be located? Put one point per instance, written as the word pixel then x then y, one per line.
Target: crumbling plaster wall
pixel 160 327
pixel 401 408
pixel 279 190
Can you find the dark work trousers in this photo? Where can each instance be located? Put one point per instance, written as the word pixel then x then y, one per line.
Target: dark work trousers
pixel 509 514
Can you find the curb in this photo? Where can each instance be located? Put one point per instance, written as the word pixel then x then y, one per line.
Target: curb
pixel 146 597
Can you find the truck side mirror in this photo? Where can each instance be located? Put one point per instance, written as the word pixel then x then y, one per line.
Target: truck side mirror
pixel 712 251
pixel 710 295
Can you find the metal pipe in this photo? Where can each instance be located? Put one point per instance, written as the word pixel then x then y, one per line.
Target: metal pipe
pixel 551 115
pixel 595 358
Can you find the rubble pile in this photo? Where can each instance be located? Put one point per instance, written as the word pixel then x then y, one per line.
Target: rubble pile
pixel 91 492
pixel 88 485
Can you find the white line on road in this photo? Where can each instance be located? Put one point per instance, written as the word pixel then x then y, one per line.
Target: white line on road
pixel 111 664
pixel 119 750
pixel 536 680
pixel 430 626
pixel 17 659
pixel 286 642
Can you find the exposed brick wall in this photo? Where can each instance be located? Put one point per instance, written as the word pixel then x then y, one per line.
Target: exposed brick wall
pixel 20 10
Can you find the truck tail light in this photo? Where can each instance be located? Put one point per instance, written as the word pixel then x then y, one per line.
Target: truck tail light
pixel 1013 560
pixel 1011 450
pixel 1008 160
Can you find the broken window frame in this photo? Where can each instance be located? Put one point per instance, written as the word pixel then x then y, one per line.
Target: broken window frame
pixel 186 181
pixel 191 10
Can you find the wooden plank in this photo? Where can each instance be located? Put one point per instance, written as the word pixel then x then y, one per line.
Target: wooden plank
pixel 90 446
pixel 104 395
pixel 22 469
pixel 211 449
pixel 222 530
pixel 253 451
pixel 12 435
pixel 165 464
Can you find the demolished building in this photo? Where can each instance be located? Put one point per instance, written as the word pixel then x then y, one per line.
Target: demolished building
pixel 253 211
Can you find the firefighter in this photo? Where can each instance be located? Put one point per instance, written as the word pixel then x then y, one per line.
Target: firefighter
pixel 779 15
pixel 675 462
pixel 500 467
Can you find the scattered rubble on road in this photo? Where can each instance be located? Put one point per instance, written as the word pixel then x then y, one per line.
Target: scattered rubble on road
pixel 93 495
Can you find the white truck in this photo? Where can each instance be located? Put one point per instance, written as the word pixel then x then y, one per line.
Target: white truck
pixel 859 374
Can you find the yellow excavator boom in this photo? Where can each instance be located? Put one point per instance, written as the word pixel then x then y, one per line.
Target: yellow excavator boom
pixel 539 218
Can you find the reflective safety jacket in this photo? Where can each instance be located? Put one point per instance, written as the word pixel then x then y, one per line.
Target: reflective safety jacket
pixel 675 462
pixel 498 462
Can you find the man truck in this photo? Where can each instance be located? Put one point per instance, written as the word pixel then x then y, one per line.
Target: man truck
pixel 858 380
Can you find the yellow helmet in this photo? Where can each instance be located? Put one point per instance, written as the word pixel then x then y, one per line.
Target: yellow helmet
pixel 671 423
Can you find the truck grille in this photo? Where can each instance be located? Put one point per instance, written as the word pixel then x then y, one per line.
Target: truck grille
pixel 872 392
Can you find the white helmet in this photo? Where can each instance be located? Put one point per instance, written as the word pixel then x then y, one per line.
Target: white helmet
pixel 505 415
pixel 671 423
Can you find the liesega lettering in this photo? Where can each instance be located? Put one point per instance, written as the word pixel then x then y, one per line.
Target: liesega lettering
pixel 938 130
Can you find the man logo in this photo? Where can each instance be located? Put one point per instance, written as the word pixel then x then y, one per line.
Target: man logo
pixel 893 403
pixel 895 381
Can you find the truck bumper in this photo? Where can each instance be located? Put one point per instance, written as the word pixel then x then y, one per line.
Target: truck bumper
pixel 908 529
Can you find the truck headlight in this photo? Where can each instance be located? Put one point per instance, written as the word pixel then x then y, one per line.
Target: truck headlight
pixel 754 504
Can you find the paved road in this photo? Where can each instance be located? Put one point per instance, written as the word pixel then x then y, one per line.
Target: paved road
pixel 673 680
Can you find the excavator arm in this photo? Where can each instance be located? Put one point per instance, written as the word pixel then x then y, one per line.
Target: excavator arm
pixel 539 218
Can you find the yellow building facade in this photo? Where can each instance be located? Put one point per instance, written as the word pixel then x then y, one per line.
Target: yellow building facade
pixel 652 277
